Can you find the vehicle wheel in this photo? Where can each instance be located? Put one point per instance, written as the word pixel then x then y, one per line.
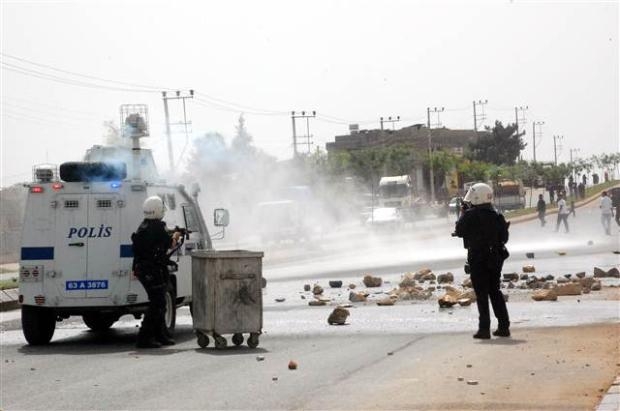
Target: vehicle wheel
pixel 99 321
pixel 220 342
pixel 38 324
pixel 253 340
pixel 237 339
pixel 171 309
pixel 203 340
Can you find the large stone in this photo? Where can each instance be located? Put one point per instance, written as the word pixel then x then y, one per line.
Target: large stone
pixel 467 283
pixel 511 277
pixel 408 280
pixel 307 287
pixel 447 301
pixel 524 276
pixel 316 303
pixel 562 280
pixel 412 293
pixel 357 297
pixel 338 316
pixel 568 289
pixel 529 268
pixel 587 282
pixel 421 273
pixel 317 289
pixel 545 295
pixel 613 273
pixel 445 278
pixel 596 286
pixel 580 274
pixel 335 284
pixel 370 281
pixel 549 278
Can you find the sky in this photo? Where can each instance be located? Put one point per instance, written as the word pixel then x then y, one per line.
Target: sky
pixel 67 66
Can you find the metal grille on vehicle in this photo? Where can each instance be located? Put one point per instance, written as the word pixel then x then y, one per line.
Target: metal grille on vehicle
pixel 104 203
pixel 132 298
pixel 72 203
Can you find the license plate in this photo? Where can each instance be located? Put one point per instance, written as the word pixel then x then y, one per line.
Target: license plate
pixel 86 285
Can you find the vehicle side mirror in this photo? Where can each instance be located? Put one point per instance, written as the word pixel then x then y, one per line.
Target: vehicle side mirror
pixel 221 218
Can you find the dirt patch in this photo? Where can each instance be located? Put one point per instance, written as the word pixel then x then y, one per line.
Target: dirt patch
pixel 563 368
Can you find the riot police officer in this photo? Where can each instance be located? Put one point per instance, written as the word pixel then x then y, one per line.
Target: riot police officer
pixel 484 232
pixel 150 244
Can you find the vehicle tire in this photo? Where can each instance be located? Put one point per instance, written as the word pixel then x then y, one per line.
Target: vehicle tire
pixel 170 316
pixel 202 340
pixel 253 340
pixel 38 324
pixel 99 321
pixel 237 339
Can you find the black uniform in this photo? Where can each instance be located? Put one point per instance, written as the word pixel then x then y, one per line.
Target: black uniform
pixel 484 232
pixel 150 244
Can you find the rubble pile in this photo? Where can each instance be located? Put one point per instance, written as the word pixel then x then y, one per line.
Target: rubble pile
pixel 455 296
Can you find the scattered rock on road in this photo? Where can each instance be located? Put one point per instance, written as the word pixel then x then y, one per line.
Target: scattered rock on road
pixel 447 301
pixel 317 289
pixel 511 277
pixel 317 303
pixel 386 301
pixel 545 295
pixel 370 281
pixel 335 284
pixel 613 273
pixel 292 365
pixel 352 286
pixel 568 289
pixel 408 280
pixel 338 316
pixel 445 278
pixel 280 299
pixel 357 297
pixel 529 268
pixel 307 287
pixel 580 274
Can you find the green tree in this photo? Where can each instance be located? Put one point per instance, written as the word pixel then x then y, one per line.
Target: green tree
pixel 501 145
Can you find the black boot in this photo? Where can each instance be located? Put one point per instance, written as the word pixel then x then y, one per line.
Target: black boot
pixel 483 334
pixel 502 332
pixel 165 340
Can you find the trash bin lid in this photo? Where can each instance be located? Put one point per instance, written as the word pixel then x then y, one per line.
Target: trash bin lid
pixel 227 254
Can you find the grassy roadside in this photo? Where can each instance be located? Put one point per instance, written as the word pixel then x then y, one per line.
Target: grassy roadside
pixel 590 191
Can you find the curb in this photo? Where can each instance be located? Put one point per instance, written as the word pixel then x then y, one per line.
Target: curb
pixel 9 299
pixel 611 400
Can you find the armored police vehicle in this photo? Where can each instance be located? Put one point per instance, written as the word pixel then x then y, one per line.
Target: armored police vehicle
pixel 76 253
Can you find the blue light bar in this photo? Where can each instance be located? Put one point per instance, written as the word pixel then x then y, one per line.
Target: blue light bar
pixel 115 185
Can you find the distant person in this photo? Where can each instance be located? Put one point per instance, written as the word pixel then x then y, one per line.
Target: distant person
pixel 551 194
pixel 541 207
pixel 563 213
pixel 572 207
pixel 606 212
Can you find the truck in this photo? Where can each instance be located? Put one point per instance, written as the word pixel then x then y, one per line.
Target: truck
pixel 76 250
pixel 396 191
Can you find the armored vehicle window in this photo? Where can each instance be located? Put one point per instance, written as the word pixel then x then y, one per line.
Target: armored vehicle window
pixel 72 203
pixel 104 203
pixel 72 172
pixel 191 221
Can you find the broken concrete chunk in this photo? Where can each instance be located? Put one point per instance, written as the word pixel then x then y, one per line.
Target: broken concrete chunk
pixel 613 273
pixel 317 289
pixel 335 284
pixel 511 277
pixel 357 297
pixel 316 303
pixel 421 273
pixel 447 301
pixel 408 280
pixel 370 281
pixel 529 268
pixel 580 274
pixel 307 287
pixel 545 295
pixel 338 316
pixel 445 278
pixel 596 286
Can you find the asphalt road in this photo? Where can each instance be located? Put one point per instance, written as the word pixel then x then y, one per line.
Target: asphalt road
pixel 81 369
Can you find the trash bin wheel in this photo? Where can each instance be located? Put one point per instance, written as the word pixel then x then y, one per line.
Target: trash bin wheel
pixel 253 340
pixel 237 339
pixel 220 342
pixel 202 340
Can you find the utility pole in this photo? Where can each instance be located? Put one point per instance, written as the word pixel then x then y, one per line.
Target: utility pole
pixel 518 120
pixel 177 96
pixel 430 148
pixel 555 148
pixel 534 124
pixel 573 150
pixel 308 136
pixel 389 120
pixel 482 116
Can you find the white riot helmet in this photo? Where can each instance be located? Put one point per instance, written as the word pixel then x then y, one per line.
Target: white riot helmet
pixel 153 208
pixel 479 193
